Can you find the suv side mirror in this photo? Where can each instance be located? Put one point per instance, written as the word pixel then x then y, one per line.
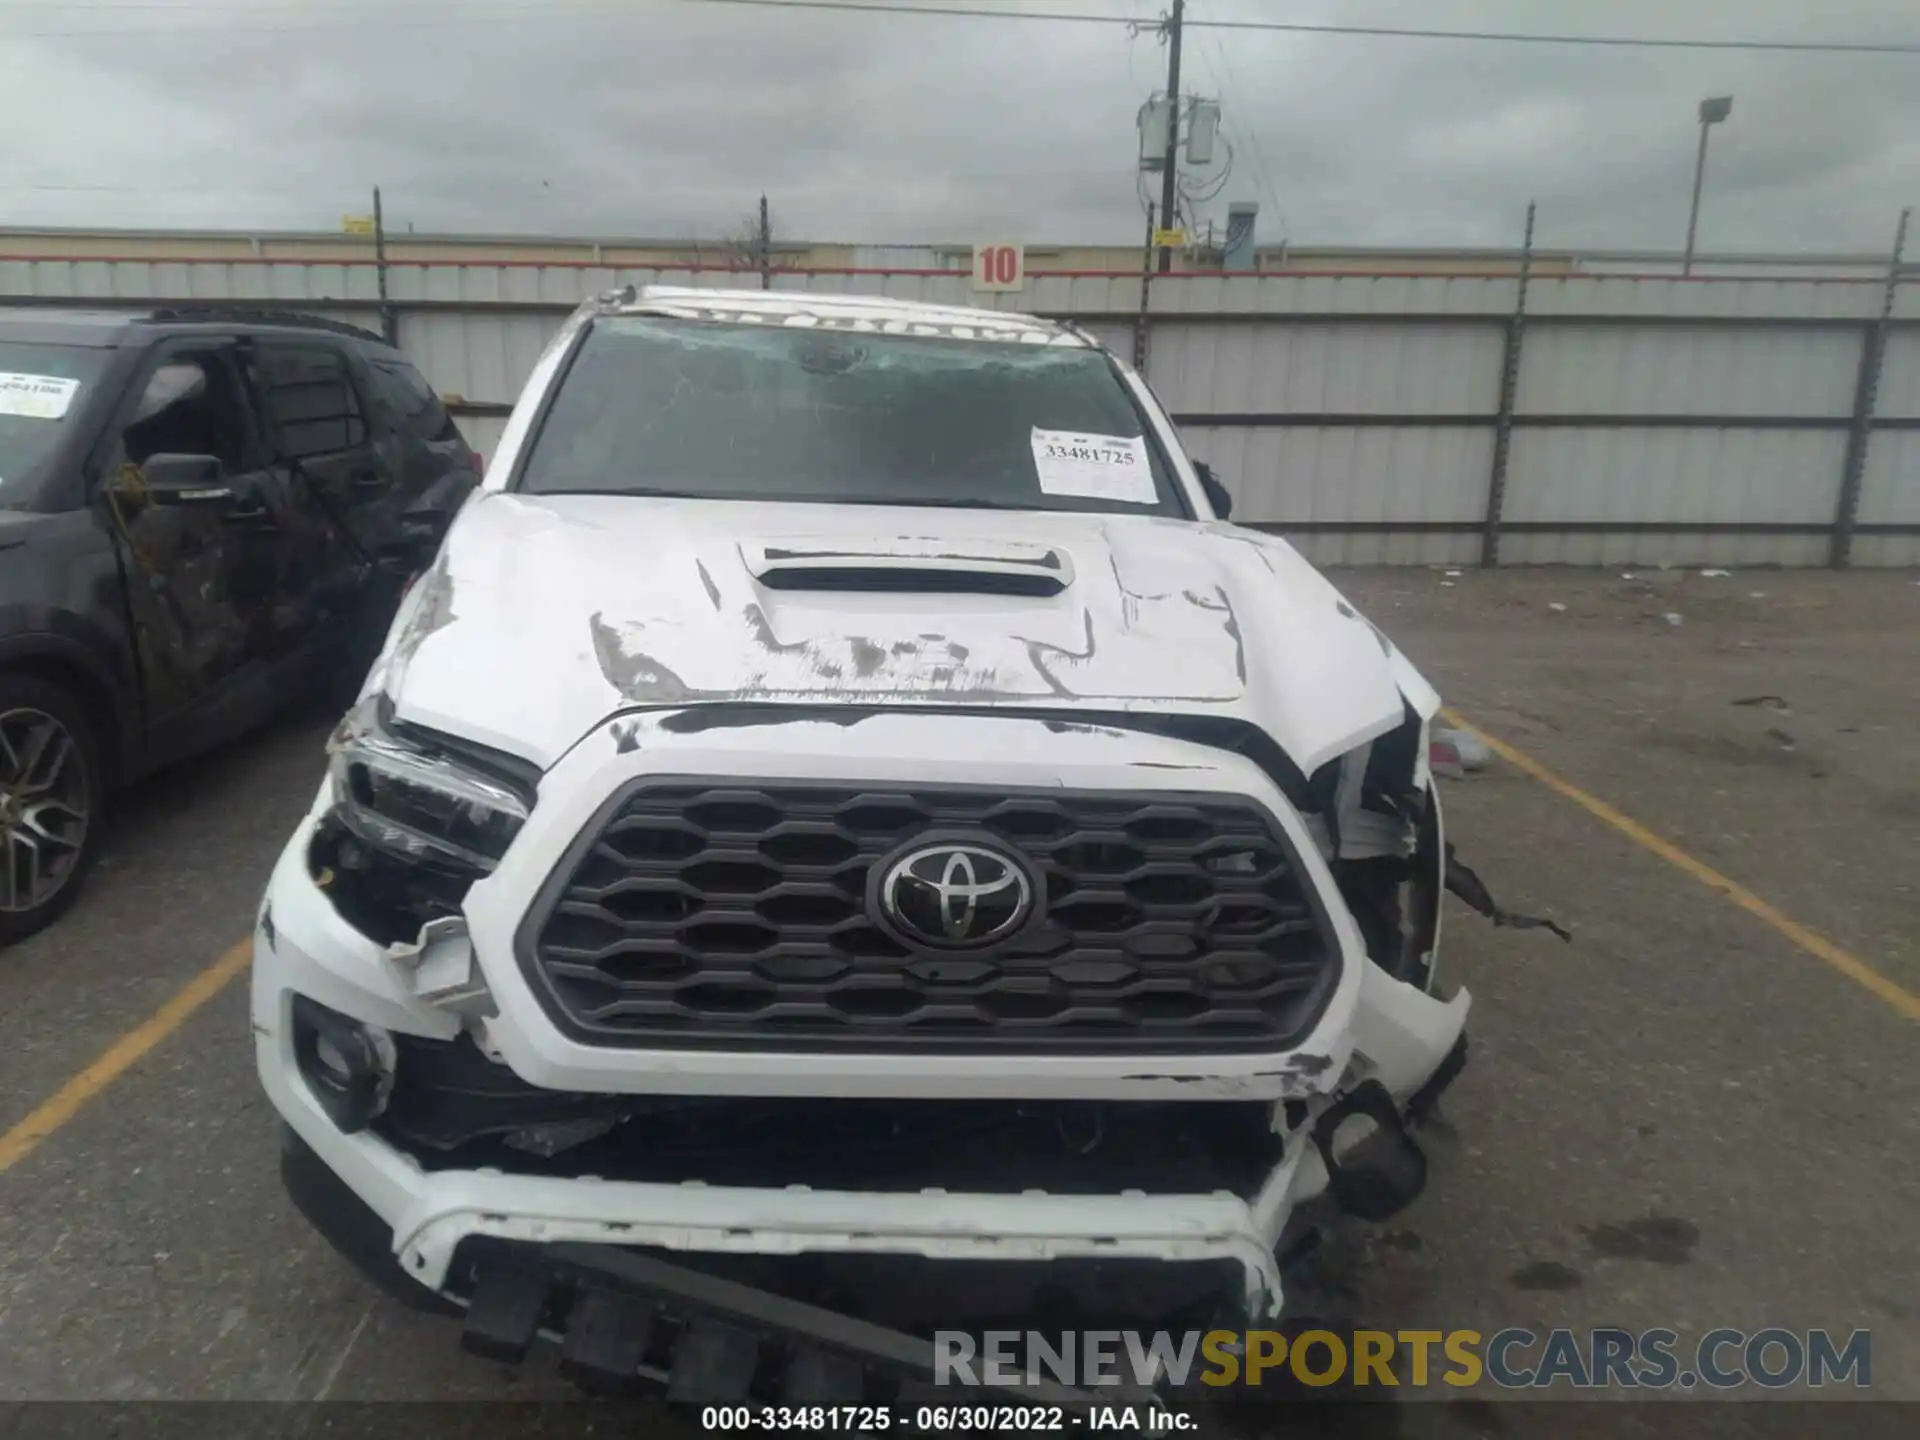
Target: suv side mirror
pixel 186 480
pixel 1217 495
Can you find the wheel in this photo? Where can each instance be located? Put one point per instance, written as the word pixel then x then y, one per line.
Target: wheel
pixel 52 794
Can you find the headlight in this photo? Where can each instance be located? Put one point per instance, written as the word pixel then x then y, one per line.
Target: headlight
pixel 409 796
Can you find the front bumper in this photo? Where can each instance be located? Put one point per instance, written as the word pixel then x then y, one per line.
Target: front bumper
pixel 1372 1028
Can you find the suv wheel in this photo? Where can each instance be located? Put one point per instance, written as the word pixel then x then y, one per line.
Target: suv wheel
pixel 51 795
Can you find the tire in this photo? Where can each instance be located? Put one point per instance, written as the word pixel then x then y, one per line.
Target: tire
pixel 52 801
pixel 346 1223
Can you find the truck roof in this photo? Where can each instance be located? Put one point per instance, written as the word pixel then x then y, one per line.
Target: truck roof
pixel 844 312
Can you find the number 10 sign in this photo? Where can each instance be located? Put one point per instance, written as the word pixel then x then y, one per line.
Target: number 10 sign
pixel 999 267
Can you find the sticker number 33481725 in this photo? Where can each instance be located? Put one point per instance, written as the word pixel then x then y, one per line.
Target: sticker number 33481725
pixel 1093 467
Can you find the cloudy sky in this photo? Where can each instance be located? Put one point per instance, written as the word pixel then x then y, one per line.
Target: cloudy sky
pixel 668 117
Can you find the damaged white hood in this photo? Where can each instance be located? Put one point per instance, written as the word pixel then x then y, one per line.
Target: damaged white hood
pixel 545 615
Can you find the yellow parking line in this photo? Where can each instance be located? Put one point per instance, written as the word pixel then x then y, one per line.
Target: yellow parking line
pixel 1818 946
pixel 122 1055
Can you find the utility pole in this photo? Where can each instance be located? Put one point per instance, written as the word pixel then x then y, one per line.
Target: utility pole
pixel 764 244
pixel 1712 112
pixel 380 269
pixel 1169 176
pixel 1146 284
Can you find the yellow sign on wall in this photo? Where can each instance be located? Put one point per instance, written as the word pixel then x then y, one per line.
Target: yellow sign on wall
pixel 357 224
pixel 1171 239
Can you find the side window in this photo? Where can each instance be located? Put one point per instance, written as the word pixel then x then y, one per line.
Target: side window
pixel 406 390
pixel 192 404
pixel 309 400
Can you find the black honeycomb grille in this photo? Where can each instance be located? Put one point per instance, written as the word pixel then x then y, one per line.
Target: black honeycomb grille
pixel 736 914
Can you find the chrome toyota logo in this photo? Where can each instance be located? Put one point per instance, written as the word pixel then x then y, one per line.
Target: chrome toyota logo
pixel 955 894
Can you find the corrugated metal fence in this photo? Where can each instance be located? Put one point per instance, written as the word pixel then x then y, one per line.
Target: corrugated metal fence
pixel 1646 419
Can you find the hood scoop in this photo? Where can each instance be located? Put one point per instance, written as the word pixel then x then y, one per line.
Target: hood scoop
pixel 910 566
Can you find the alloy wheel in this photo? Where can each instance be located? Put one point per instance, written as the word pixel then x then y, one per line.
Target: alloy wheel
pixel 44 807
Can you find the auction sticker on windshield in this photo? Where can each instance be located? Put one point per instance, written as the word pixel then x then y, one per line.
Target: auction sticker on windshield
pixel 1093 467
pixel 43 397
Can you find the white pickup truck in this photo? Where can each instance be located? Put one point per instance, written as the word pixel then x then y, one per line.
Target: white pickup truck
pixel 846 831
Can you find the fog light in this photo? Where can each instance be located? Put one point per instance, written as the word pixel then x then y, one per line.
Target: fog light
pixel 348 1066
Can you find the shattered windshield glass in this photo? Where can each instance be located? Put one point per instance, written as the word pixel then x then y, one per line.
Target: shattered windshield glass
pixel 39 387
pixel 666 406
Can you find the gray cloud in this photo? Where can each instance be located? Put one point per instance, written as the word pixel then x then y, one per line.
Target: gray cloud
pixel 651 117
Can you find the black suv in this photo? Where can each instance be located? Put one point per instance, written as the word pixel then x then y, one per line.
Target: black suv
pixel 201 517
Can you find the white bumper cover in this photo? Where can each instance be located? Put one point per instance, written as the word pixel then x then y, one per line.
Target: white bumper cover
pixel 1373 1026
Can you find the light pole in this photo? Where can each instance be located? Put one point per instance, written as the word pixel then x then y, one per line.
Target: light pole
pixel 1712 112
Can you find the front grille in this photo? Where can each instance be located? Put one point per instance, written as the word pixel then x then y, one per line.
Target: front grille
pixel 736 914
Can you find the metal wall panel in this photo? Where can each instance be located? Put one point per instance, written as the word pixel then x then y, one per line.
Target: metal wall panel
pixel 1439 548
pixel 1309 294
pixel 1386 345
pixel 1900 376
pixel 1615 548
pixel 1678 370
pixel 1116 335
pixel 1886 550
pixel 1689 476
pixel 1286 476
pixel 482 431
pixel 1890 484
pixel 174 280
pixel 1350 473
pixel 484 358
pixel 1711 298
pixel 1310 368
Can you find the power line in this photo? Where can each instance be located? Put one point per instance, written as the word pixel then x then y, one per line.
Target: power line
pixel 975 12
pixel 1262 173
pixel 1380 31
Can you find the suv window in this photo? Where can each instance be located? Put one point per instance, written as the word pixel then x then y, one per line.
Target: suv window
pixel 721 410
pixel 191 405
pixel 406 390
pixel 40 388
pixel 310 400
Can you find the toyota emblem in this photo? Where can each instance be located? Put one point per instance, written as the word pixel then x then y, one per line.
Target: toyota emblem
pixel 955 894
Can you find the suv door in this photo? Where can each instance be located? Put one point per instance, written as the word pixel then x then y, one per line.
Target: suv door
pixel 317 424
pixel 437 469
pixel 201 574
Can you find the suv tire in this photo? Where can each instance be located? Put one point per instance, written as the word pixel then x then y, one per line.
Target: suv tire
pixel 52 801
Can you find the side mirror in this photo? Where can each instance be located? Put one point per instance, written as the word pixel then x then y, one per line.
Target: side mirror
pixel 1217 495
pixel 186 480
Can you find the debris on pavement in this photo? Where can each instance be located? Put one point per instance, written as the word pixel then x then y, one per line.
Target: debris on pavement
pixel 1469 749
pixel 1787 742
pixel 1472 889
pixel 1556 607
pixel 1715 574
pixel 1672 617
pixel 1455 575
pixel 1771 702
